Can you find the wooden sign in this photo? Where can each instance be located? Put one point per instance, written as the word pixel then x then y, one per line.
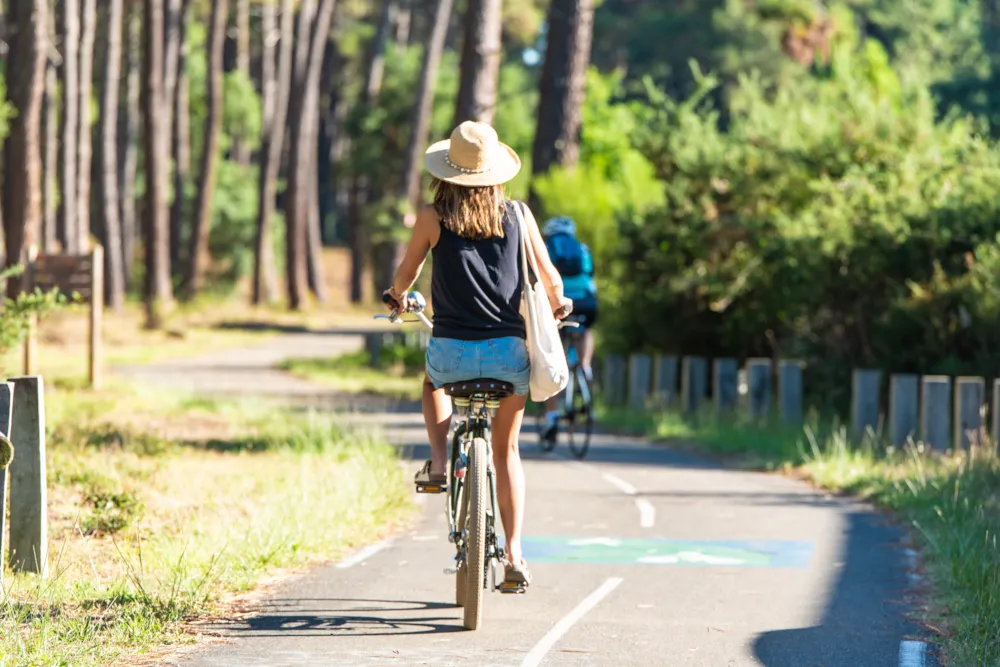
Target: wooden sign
pixel 71 274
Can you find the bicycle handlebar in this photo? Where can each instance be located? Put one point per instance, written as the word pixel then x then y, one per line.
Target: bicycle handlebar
pixel 416 305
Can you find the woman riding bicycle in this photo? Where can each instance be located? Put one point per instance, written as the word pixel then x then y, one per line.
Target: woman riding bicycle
pixel 474 238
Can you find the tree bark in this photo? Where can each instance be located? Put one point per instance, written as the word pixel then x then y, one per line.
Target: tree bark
pixel 67 231
pixel 480 65
pixel 50 238
pixel 84 135
pixel 562 87
pixel 404 15
pixel 130 140
pixel 198 258
pixel 180 142
pixel 158 289
pixel 241 148
pixel 304 128
pixel 22 186
pixel 113 270
pixel 317 276
pixel 387 255
pixel 277 86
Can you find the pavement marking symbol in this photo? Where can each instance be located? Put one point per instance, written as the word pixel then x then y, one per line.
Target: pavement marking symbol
pixel 912 653
pixel 661 551
pixel 537 654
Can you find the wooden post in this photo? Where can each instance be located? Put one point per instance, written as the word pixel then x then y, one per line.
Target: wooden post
pixel 31 345
pixel 665 381
pixel 614 380
pixel 694 383
pixel 725 381
pixel 759 387
pixel 6 408
pixel 640 372
pixel 96 315
pixel 904 416
pixel 790 391
pixel 995 433
pixel 935 411
pixel 865 389
pixel 970 394
pixel 28 497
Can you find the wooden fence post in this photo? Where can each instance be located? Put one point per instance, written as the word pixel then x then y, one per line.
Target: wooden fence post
pixel 970 394
pixel 759 387
pixel 694 382
pixel 790 391
pixel 935 411
pixel 665 382
pixel 640 371
pixel 6 408
pixel 904 417
pixel 866 386
pixel 614 380
pixel 995 433
pixel 725 382
pixel 28 497
pixel 96 314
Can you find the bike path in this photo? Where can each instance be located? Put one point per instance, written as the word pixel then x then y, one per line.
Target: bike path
pixel 640 556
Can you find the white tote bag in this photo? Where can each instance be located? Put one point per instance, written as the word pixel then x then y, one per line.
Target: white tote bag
pixel 549 370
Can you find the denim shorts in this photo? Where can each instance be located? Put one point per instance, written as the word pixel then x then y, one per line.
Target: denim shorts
pixel 504 359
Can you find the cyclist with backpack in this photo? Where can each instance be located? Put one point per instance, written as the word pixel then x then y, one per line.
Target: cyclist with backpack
pixel 575 264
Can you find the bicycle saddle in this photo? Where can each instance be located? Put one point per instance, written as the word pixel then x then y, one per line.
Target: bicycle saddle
pixel 486 387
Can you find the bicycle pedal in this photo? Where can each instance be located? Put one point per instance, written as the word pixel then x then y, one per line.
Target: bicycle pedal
pixel 512 588
pixel 431 488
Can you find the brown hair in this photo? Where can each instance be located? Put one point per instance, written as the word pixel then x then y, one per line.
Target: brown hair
pixel 475 214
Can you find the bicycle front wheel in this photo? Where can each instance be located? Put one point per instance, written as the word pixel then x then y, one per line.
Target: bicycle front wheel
pixel 580 418
pixel 477 499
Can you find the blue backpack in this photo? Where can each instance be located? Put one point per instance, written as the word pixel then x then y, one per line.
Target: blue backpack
pixel 568 255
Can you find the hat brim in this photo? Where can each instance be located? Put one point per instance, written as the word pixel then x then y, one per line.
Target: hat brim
pixel 506 165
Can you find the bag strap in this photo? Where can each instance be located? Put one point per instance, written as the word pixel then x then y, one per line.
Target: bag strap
pixel 528 259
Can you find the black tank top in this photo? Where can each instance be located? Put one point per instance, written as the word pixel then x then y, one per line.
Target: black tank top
pixel 476 285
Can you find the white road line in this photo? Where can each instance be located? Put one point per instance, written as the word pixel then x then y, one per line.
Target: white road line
pixel 620 483
pixel 912 653
pixel 537 654
pixel 647 513
pixel 364 554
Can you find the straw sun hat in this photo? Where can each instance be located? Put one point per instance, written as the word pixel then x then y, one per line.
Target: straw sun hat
pixel 473 157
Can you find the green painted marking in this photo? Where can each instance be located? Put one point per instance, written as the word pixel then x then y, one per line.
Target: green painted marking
pixel 625 551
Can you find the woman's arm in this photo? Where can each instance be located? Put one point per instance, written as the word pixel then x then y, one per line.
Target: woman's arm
pixel 550 277
pixel 425 232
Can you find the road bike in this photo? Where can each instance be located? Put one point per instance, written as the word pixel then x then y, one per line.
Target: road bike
pixel 576 404
pixel 471 504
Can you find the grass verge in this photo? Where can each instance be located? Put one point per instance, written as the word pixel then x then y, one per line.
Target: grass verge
pixel 950 499
pixel 396 376
pixel 162 505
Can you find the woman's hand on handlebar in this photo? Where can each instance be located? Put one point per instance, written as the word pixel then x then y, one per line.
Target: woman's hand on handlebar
pixel 393 301
pixel 562 308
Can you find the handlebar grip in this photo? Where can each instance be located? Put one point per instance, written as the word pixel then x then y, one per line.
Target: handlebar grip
pixel 386 298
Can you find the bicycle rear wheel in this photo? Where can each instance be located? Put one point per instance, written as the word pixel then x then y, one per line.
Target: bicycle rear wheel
pixel 477 500
pixel 580 420
pixel 462 574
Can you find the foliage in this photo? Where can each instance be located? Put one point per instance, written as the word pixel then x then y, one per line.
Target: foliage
pixel 17 313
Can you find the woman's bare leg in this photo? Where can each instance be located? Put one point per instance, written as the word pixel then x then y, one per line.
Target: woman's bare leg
pixel 437 417
pixel 510 473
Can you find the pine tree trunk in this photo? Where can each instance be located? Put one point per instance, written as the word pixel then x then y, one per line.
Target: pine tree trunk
pixel 387 255
pixel 50 238
pixel 241 149
pixel 67 231
pixel 198 258
pixel 562 87
pixel 404 15
pixel 158 288
pixel 22 187
pixel 180 143
pixel 129 144
pixel 84 133
pixel 317 276
pixel 277 78
pixel 304 118
pixel 480 67
pixel 113 269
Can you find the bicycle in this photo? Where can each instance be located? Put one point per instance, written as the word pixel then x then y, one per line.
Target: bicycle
pixel 471 504
pixel 576 405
